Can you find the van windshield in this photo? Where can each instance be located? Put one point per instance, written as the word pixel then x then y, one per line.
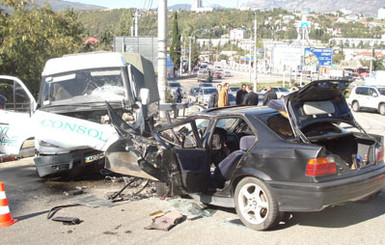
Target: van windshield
pixel 83 86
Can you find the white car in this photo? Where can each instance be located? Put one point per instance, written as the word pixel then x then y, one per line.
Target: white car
pixel 280 91
pixel 174 85
pixel 368 97
pixel 205 93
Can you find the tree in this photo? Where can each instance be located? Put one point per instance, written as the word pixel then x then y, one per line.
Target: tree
pixel 175 49
pixel 30 36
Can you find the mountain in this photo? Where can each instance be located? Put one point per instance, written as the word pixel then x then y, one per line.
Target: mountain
pixel 58 5
pixel 365 7
pixel 180 7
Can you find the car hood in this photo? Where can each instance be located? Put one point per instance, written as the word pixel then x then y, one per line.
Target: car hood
pixel 319 101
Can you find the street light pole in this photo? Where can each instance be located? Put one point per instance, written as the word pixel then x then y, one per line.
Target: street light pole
pixel 162 52
pixel 189 54
pixel 255 54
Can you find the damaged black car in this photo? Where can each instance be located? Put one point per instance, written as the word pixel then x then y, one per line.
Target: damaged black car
pixel 302 153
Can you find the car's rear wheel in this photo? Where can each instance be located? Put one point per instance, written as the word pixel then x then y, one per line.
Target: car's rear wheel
pixel 356 106
pixel 256 205
pixel 382 109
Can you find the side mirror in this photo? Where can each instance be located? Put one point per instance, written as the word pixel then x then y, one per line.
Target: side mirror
pixel 375 95
pixel 144 94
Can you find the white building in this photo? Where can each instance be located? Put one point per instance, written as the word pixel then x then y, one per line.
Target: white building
pixel 196 4
pixel 237 34
pixel 381 13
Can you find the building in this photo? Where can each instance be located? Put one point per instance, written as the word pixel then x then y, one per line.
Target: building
pixel 237 34
pixel 196 4
pixel 381 13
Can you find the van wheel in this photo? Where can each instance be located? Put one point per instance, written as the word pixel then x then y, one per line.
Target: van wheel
pixel 356 106
pixel 382 109
pixel 255 204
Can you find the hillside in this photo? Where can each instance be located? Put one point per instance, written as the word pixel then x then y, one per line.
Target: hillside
pixel 365 7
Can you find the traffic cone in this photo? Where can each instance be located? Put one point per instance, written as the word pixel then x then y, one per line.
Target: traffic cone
pixel 5 215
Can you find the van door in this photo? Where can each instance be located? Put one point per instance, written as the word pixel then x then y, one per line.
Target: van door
pixel 16 107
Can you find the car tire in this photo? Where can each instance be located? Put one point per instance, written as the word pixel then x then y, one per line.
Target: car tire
pixel 356 106
pixel 381 109
pixel 255 204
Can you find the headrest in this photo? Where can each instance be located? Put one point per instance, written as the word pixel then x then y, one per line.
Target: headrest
pixel 246 142
pixel 219 138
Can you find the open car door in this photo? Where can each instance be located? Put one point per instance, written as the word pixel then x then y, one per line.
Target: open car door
pixel 175 154
pixel 16 107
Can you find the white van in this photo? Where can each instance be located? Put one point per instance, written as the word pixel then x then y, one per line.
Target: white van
pixel 71 124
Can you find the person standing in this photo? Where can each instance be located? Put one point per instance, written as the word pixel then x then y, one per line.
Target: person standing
pixel 178 96
pixel 223 99
pixel 213 100
pixel 251 98
pixel 241 94
pixel 269 95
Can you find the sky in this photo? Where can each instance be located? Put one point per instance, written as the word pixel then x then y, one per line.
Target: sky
pixel 154 3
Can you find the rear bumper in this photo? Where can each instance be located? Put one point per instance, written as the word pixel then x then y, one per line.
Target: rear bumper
pixel 308 197
pixel 59 164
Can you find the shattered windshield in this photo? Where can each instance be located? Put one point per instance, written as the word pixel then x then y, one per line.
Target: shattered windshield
pixel 94 85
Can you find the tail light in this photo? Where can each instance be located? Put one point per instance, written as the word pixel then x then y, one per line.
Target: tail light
pixel 321 166
pixel 380 155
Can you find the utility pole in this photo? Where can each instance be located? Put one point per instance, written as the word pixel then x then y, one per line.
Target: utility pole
pixel 189 54
pixel 255 54
pixel 162 52
pixel 136 20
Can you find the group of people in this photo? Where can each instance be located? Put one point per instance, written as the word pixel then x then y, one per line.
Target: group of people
pixel 244 96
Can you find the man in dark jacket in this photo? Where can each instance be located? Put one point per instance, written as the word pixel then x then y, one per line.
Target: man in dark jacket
pixel 251 98
pixel 240 97
pixel 269 95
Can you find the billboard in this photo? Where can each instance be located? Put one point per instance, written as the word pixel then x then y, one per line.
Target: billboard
pixel 318 57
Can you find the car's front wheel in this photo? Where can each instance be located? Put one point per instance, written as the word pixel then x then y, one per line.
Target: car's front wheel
pixel 356 106
pixel 382 109
pixel 256 205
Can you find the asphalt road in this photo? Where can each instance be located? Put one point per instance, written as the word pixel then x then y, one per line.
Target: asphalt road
pixel 30 199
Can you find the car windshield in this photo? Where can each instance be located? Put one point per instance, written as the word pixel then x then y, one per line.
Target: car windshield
pixel 283 89
pixel 234 89
pixel 174 85
pixel 382 91
pixel 83 86
pixel 205 85
pixel 209 90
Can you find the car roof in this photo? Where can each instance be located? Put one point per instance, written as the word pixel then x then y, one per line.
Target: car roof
pixel 237 110
pixel 372 86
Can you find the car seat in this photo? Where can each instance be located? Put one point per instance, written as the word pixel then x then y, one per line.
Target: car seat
pixel 218 146
pixel 225 168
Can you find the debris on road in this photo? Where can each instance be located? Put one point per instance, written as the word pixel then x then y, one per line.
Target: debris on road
pixel 190 209
pixel 68 220
pixel 166 221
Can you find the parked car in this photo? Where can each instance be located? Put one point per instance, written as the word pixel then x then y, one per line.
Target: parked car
pixel 231 99
pixel 368 97
pixel 234 90
pixel 280 91
pixel 194 91
pixel 205 85
pixel 205 75
pixel 217 75
pixel 300 154
pixel 204 94
pixel 227 74
pixel 174 85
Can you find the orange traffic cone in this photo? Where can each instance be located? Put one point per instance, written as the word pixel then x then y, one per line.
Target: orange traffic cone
pixel 5 215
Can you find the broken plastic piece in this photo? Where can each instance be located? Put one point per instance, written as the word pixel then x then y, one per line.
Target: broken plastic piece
pixel 68 220
pixel 166 222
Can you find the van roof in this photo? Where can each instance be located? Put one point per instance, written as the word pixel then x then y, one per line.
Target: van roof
pixel 83 61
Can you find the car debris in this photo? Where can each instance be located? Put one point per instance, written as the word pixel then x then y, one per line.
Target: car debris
pixel 166 221
pixel 68 220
